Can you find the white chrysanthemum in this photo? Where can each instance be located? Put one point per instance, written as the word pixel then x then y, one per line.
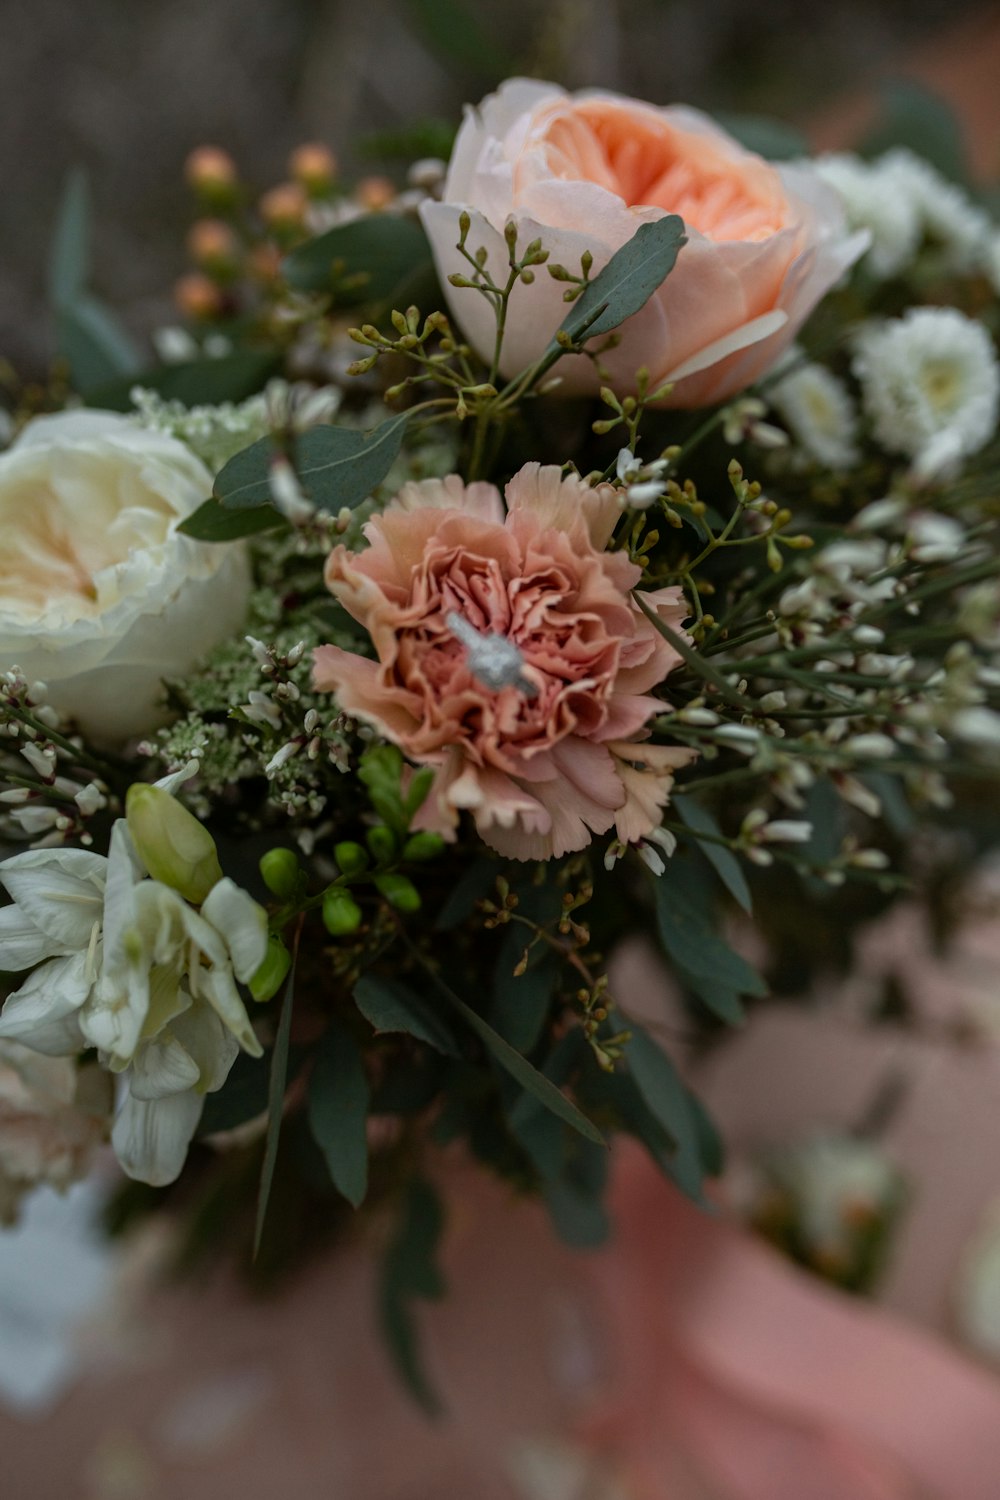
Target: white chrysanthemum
pixel 930 386
pixel 944 213
pixel 819 410
pixel 890 216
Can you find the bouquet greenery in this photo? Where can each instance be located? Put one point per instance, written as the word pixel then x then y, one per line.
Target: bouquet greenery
pixel 593 537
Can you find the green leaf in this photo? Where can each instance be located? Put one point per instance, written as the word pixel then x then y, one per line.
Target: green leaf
pixel 410 1271
pixel 478 881
pixel 520 1068
pixel 337 466
pixel 574 1199
pixel 69 260
pixel 275 1101
pixel 711 968
pixel 90 338
pixel 242 1097
pixel 380 250
pixel 722 860
pixel 520 1002
pixel 915 117
pixel 660 1086
pixel 773 139
pixel 628 280
pixel 196 382
pixel 212 522
pixel 338 1111
pixel 392 1006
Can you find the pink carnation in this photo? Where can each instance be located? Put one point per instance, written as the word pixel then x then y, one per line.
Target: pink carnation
pixel 559 755
pixel 543 761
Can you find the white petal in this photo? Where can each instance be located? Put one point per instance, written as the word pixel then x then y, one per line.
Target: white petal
pixel 243 924
pixel 124 871
pixel 207 1041
pixel 219 989
pixel 161 1068
pixel 22 944
pixel 151 1136
pixel 60 890
pixel 43 1013
pixel 117 1012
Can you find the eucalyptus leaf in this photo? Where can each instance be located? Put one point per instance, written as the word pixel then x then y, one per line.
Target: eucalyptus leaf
pixel 277 1079
pixel 212 522
pixel 410 1271
pixel 97 347
pixel 628 280
pixel 660 1087
pixel 391 1005
pixel 337 466
pixel 374 255
pixel 722 860
pixel 243 1098
pixel 717 974
pixel 338 1111
pixel 69 258
pixel 914 116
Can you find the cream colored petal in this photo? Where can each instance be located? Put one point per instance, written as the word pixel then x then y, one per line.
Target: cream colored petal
pixel 151 1137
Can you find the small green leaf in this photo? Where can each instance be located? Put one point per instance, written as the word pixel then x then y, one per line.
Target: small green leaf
pixel 410 1271
pixel 574 1199
pixel 669 1101
pixel 722 860
pixel 380 250
pixel 390 1005
pixel 704 960
pixel 521 1001
pixel 212 522
pixel 338 1111
pixel 275 1102
pixel 336 466
pixel 628 280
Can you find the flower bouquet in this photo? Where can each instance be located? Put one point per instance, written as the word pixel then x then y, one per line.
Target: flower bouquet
pixel 594 537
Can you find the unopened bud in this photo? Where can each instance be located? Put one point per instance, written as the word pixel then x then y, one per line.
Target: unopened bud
pixel 398 891
pixel 351 858
pixel 281 873
pixel 176 849
pixel 272 973
pixel 341 913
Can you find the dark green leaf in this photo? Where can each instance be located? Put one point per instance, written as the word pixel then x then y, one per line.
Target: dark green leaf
pixel 212 522
pixel 242 1097
pixel 410 1271
pixel 338 1111
pixel 89 337
pixel 914 116
pixel 377 252
pixel 574 1200
pixel 275 1102
pixel 69 262
pixel 705 961
pixel 722 860
pixel 337 466
pixel 392 1006
pixel 670 1103
pixel 520 1068
pixel 774 139
pixel 197 382
pixel 478 881
pixel 628 280
pixel 521 1001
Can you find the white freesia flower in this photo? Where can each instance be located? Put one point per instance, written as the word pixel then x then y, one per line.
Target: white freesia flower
pixel 126 965
pixel 100 596
pixel 929 378
pixel 819 410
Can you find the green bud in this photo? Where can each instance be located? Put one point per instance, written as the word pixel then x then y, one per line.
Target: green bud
pixel 421 846
pixel 382 843
pixel 273 972
pixel 351 858
pixel 341 913
pixel 280 872
pixel 398 891
pixel 175 848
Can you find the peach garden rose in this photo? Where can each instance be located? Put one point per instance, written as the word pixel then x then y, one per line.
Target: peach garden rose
pixel 583 172
pixel 510 657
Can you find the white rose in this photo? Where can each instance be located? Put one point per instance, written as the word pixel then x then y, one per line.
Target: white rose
pixel 100 596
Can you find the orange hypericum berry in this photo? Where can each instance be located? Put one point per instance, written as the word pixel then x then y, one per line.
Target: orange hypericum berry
pixel 211 243
pixel 210 170
pixel 198 297
pixel 314 166
pixel 375 193
pixel 284 206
